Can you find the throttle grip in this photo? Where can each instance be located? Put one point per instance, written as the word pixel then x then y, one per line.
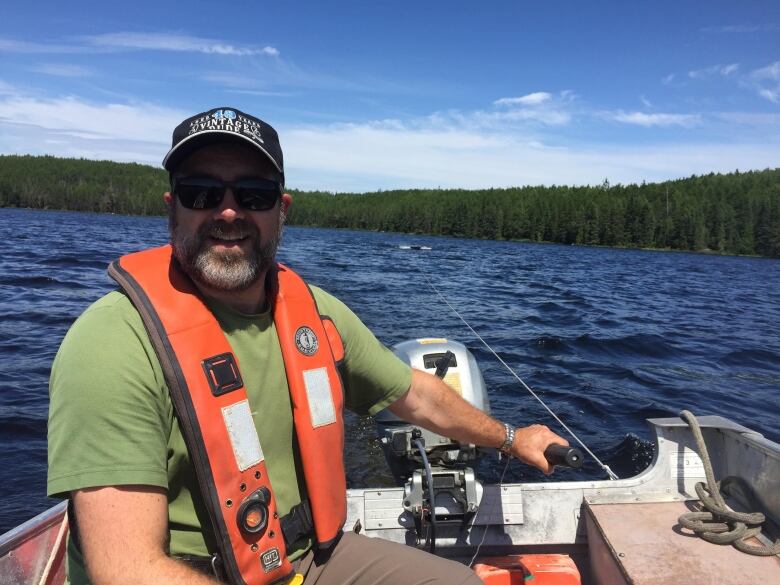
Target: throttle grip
pixel 563 455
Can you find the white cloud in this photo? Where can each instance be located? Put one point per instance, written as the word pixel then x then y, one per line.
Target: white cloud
pixel 366 157
pixel 758 120
pixel 123 132
pixel 771 71
pixel 714 71
pixel 63 70
pixel 272 74
pixel 14 46
pixel 766 82
pixel 448 149
pixel 646 102
pixel 702 73
pixel 175 42
pixel 772 95
pixel 568 95
pixel 668 79
pixel 249 85
pixel 541 107
pixel 532 99
pixel 655 119
pixel 261 93
pixel 547 116
pixel 7 88
pixel 137 41
pixel 739 28
pixel 254 74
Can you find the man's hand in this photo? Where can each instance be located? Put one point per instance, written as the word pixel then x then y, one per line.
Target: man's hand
pixel 530 443
pixel 123 532
pixel 432 404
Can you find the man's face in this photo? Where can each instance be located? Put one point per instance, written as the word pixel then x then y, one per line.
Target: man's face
pixel 226 248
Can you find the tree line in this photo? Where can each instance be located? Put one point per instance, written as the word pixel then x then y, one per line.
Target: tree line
pixel 735 213
pixel 47 182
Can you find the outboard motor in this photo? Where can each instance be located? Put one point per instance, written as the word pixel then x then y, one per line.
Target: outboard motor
pixel 448 463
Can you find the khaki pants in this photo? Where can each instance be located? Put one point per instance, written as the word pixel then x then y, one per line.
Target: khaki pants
pixel 359 560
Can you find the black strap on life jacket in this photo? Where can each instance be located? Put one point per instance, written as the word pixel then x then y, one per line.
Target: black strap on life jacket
pixel 297 524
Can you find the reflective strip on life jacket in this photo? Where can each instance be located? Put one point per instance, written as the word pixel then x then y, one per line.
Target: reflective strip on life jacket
pixel 215 417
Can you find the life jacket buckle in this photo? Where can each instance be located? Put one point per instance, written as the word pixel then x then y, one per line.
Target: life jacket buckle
pixel 297 523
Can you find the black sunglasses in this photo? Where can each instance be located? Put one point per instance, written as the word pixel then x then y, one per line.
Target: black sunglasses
pixel 206 193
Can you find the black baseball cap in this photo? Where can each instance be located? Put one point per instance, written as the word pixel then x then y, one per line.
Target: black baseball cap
pixel 223 125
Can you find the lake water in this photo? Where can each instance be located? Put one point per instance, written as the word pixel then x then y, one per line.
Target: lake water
pixel 606 337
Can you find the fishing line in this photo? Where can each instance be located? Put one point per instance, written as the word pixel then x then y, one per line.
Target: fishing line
pixel 473 521
pixel 604 466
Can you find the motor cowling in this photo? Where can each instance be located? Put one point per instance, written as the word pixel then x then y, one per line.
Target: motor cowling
pixel 450 463
pixel 459 370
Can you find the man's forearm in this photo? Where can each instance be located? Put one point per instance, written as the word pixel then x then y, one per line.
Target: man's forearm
pixel 123 532
pixel 127 568
pixel 432 404
pixel 163 569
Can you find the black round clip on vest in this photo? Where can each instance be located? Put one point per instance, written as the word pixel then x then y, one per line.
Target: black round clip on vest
pixel 253 513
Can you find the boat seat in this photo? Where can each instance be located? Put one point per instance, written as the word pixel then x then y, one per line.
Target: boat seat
pixel 642 544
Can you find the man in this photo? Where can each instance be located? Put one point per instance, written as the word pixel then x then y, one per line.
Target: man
pixel 196 414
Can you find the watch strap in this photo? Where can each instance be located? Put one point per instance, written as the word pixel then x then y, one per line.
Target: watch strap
pixel 509 439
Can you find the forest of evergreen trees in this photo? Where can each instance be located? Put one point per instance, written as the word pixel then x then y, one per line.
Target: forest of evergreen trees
pixel 735 213
pixel 46 182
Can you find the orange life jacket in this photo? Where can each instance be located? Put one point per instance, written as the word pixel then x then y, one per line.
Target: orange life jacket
pixel 215 417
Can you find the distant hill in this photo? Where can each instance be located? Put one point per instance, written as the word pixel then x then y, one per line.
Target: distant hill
pixel 735 213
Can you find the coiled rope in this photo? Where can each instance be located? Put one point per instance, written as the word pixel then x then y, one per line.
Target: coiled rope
pixel 719 524
pixel 604 466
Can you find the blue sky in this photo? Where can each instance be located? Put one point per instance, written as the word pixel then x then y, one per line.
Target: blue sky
pixel 377 95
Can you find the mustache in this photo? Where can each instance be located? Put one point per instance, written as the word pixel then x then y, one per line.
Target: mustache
pixel 222 229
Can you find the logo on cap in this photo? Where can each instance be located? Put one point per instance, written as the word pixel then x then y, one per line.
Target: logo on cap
pixel 306 341
pixel 254 132
pixel 228 114
pixel 228 122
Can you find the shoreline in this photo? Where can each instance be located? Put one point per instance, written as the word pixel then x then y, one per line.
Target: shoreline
pixel 704 252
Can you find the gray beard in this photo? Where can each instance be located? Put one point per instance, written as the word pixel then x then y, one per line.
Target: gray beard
pixel 223 271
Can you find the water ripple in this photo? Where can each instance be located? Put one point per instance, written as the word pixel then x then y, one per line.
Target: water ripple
pixel 607 337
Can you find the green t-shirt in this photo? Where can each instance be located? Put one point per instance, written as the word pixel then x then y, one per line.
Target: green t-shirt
pixel 111 420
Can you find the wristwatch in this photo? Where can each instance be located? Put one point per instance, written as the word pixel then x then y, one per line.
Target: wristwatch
pixel 509 440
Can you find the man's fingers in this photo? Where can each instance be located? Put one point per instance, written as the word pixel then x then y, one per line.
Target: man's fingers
pixel 531 442
pixel 544 466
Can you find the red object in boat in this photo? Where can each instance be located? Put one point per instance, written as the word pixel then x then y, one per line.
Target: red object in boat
pixel 528 569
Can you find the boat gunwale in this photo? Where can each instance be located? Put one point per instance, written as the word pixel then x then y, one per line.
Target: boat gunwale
pixel 31 528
